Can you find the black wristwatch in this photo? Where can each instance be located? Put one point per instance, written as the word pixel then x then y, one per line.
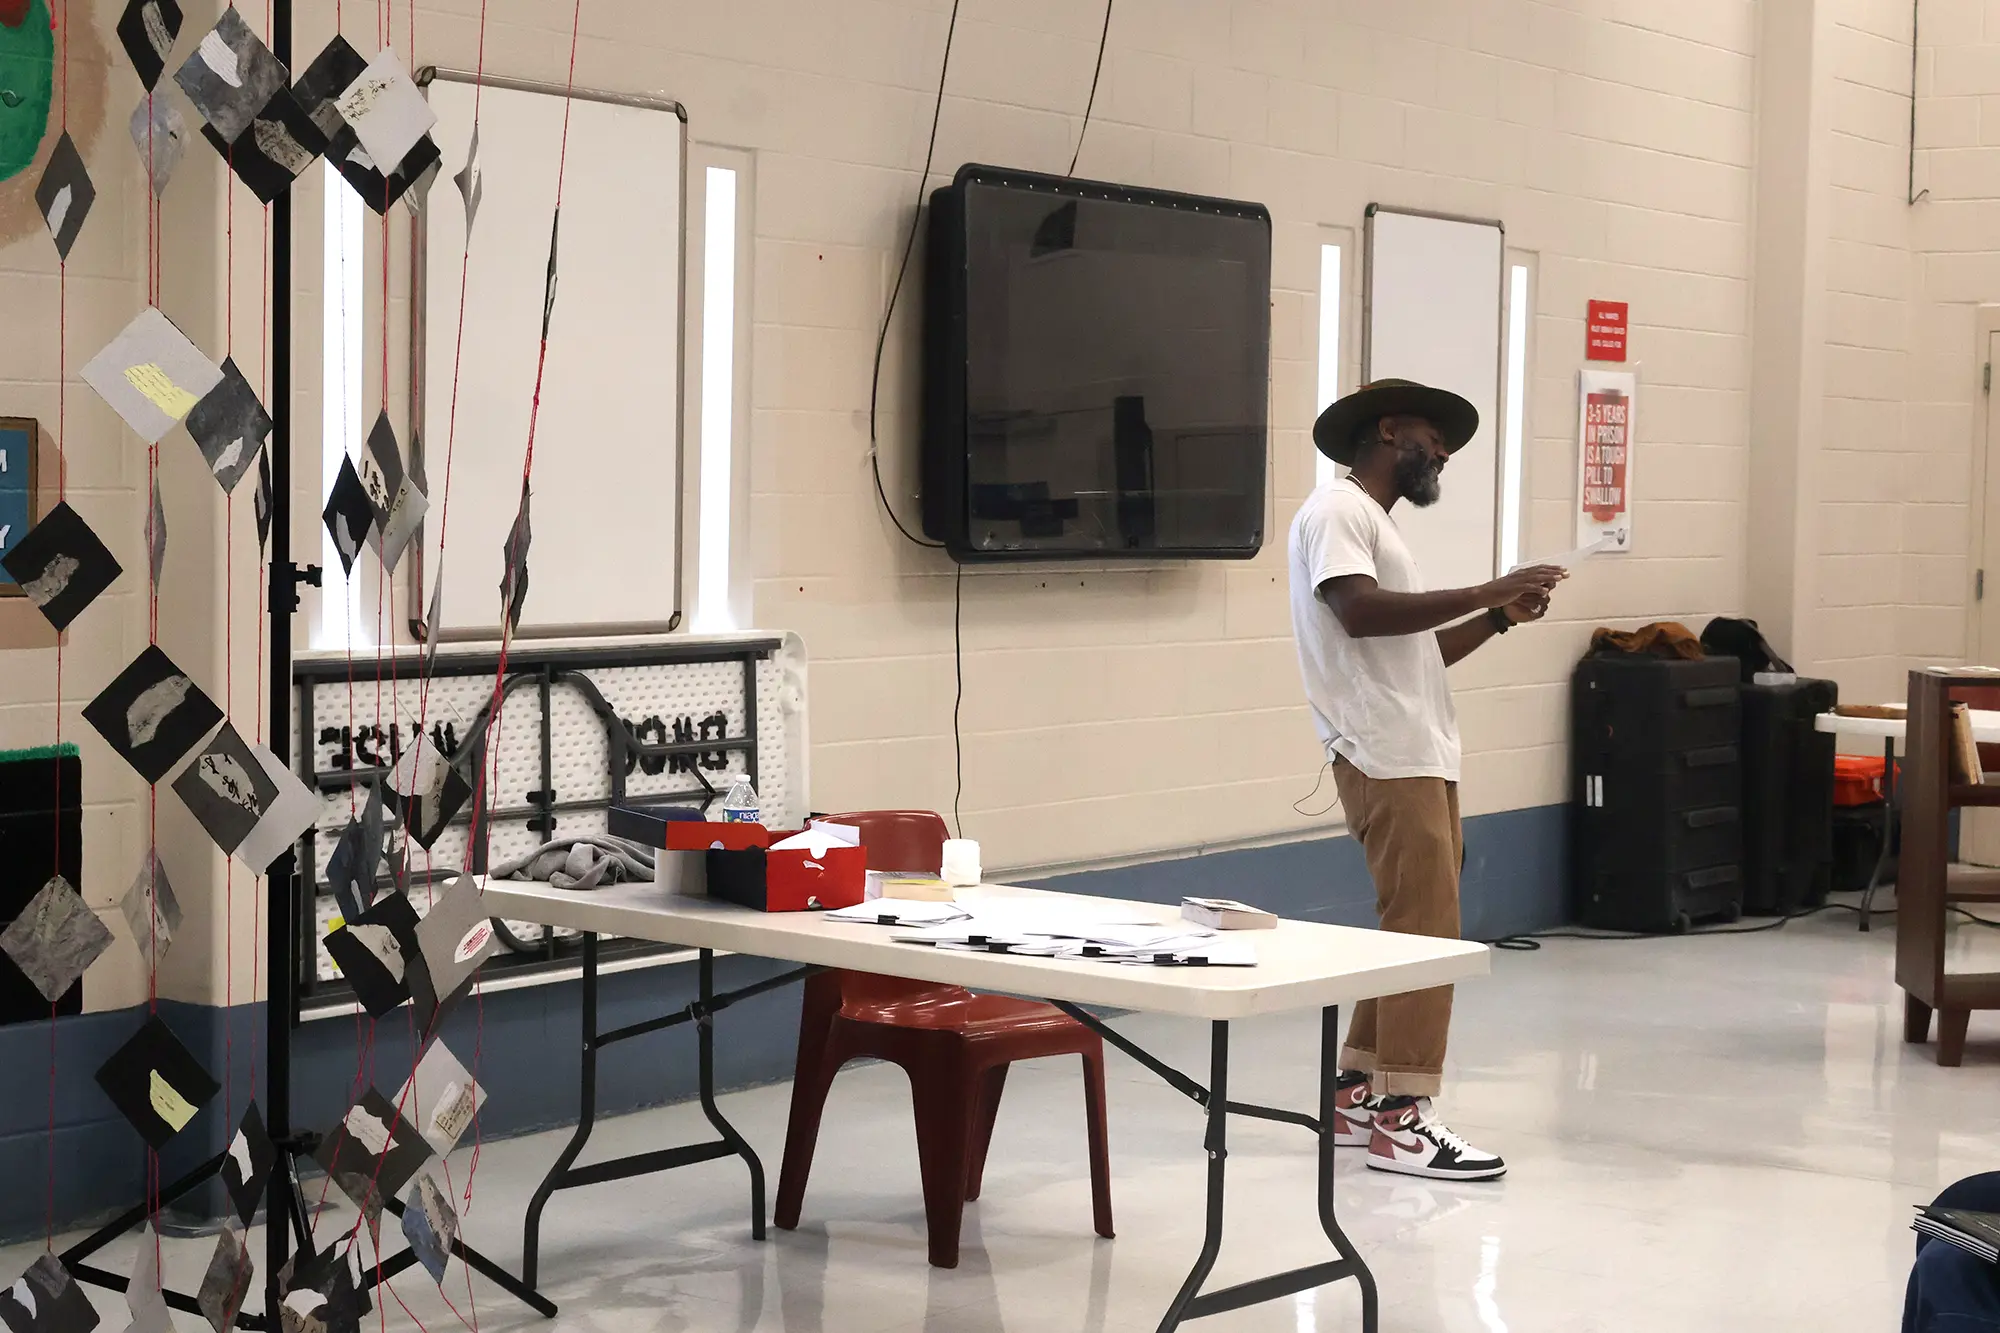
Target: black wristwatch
pixel 1498 616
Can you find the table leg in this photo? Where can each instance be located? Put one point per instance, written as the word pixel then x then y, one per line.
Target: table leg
pixel 1216 1142
pixel 1888 829
pixel 705 1045
pixel 586 1118
pixel 1329 1082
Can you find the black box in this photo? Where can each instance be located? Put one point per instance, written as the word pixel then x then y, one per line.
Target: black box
pixel 1654 901
pixel 1653 705
pixel 1657 791
pixel 1787 796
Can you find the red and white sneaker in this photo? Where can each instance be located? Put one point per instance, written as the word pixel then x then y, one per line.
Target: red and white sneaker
pixel 1353 1111
pixel 1408 1139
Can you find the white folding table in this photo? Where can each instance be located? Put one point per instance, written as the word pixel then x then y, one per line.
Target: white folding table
pixel 1892 731
pixel 1301 965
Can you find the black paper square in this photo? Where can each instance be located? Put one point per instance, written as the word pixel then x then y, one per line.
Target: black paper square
pixel 348 515
pixel 262 499
pixel 156 1083
pixel 375 951
pixel 45 1299
pixel 152 715
pixel 147 30
pixel 376 190
pixel 328 1275
pixel 382 470
pixel 65 194
pixel 230 426
pixel 373 1153
pixel 248 1163
pixel 274 150
pixel 62 565
pixel 428 811
pixel 318 90
pixel 226 789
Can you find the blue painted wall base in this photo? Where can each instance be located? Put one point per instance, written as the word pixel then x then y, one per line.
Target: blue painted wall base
pixel 527 1041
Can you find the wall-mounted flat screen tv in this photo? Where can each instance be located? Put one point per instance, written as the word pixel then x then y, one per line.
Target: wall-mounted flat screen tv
pixel 1096 369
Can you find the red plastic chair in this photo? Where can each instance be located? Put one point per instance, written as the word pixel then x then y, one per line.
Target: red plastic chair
pixel 955 1046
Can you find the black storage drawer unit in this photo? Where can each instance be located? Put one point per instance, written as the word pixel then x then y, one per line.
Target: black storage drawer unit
pixel 1652 900
pixel 1787 796
pixel 1690 839
pixel 1657 786
pixel 1657 705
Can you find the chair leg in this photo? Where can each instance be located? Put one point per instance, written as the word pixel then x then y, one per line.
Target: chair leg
pixel 1916 1020
pixel 811 1081
pixel 986 1109
pixel 944 1098
pixel 1951 1036
pixel 1100 1147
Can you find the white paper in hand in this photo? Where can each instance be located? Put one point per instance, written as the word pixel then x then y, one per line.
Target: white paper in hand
pixel 1570 559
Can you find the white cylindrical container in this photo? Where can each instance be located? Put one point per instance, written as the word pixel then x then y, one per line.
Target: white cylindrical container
pixel 961 863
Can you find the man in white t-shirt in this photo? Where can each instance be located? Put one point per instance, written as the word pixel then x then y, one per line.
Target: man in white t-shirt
pixel 1373 647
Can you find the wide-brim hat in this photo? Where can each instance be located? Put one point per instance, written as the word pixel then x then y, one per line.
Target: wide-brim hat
pixel 1337 428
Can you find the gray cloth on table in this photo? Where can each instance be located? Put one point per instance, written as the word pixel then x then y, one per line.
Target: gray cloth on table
pixel 583 862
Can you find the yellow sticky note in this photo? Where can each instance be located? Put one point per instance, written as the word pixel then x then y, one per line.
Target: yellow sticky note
pixel 169 1105
pixel 166 395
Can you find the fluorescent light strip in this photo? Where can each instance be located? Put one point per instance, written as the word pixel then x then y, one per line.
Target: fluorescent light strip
pixel 1514 448
pixel 718 400
pixel 1325 469
pixel 343 260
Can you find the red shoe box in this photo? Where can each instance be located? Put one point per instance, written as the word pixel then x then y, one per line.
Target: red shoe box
pixel 743 869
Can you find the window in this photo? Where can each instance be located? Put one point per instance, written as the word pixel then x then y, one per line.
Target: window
pixel 1324 468
pixel 714 594
pixel 340 390
pixel 1514 435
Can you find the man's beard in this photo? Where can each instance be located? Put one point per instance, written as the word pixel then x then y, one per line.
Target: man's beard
pixel 1417 477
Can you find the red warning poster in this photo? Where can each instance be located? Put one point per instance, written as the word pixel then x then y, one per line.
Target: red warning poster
pixel 1605 417
pixel 1605 323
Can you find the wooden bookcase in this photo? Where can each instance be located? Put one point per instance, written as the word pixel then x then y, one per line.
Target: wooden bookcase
pixel 1928 884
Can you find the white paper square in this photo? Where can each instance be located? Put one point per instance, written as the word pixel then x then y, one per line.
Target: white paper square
pixel 151 375
pixel 387 110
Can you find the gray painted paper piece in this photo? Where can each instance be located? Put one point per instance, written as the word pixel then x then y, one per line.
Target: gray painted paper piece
pixel 430 1224
pixel 156 534
pixel 160 133
pixel 230 76
pixel 152 912
pixel 471 182
pixel 143 1296
pixel 55 939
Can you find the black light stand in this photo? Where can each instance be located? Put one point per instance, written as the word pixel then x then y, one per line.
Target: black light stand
pixel 285 1210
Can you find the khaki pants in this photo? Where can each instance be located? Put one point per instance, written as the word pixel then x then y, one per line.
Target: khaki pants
pixel 1409 830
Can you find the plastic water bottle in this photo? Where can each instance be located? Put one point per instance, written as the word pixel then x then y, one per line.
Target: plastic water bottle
pixel 739 803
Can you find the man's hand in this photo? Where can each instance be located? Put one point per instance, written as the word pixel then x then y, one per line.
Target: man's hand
pixel 1530 606
pixel 1523 585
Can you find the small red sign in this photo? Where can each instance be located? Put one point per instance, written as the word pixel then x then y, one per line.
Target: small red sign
pixel 1604 331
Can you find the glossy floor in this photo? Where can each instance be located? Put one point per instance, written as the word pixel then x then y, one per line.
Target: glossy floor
pixel 1714 1134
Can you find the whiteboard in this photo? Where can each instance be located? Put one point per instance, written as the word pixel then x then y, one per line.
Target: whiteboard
pixel 607 486
pixel 1431 312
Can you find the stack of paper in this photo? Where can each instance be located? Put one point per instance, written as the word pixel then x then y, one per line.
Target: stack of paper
pixel 1039 929
pixel 900 912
